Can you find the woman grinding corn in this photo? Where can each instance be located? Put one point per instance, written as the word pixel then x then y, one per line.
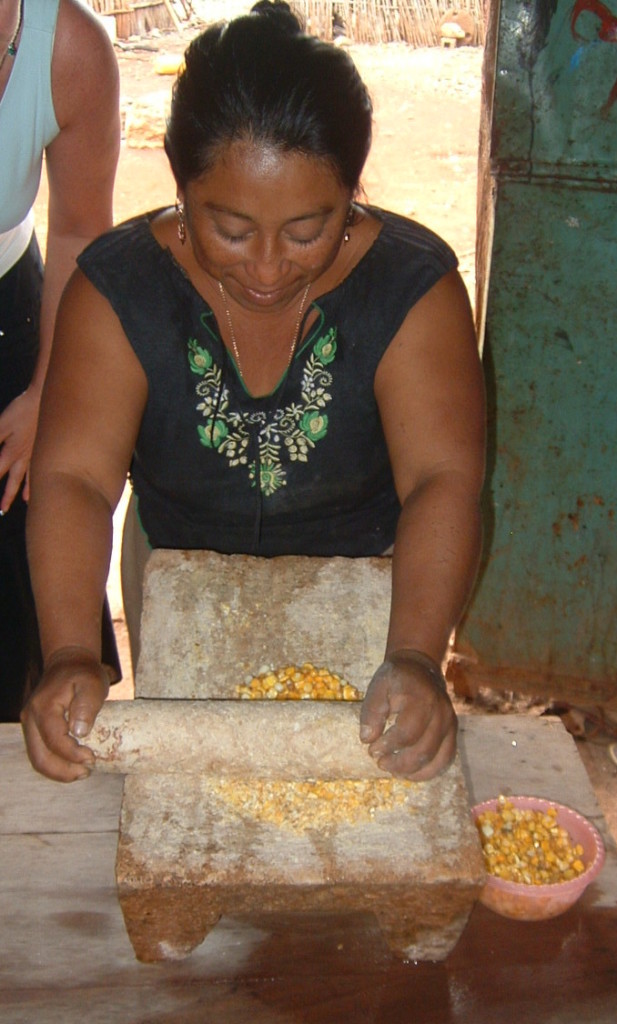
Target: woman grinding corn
pixel 281 368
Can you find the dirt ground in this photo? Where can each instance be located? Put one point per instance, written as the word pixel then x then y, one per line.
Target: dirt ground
pixel 423 164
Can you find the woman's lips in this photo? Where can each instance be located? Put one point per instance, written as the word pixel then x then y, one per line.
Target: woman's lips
pixel 269 297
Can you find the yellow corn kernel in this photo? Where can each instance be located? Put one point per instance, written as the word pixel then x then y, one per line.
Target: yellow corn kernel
pixel 312 804
pixel 528 846
pixel 304 682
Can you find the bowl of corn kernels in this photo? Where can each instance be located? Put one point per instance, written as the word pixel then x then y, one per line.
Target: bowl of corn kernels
pixel 540 856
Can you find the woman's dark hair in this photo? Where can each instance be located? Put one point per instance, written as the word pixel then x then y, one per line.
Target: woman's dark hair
pixel 259 77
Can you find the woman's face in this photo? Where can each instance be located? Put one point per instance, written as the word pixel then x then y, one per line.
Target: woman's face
pixel 265 222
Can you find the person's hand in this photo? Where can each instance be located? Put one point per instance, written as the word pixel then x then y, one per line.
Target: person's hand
pixel 17 430
pixel 420 742
pixel 62 711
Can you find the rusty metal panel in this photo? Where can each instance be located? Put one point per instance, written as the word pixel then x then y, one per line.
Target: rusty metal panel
pixel 555 88
pixel 545 602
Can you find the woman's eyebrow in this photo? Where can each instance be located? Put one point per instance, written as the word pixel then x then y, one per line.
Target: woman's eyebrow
pixel 322 211
pixel 217 208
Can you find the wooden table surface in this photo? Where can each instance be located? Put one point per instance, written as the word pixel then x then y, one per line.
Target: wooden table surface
pixel 65 956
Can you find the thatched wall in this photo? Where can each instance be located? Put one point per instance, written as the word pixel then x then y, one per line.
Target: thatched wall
pixel 136 17
pixel 416 22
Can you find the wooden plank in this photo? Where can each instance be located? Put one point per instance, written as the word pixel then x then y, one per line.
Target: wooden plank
pixel 524 755
pixel 325 973
pixel 110 1003
pixel 31 803
pixel 172 14
pixel 66 957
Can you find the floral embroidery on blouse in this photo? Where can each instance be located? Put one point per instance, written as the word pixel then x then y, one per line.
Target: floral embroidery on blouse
pixel 282 435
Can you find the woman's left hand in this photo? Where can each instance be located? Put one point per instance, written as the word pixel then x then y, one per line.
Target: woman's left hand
pixel 17 429
pixel 421 740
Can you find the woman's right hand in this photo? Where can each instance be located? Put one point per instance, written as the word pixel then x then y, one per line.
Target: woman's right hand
pixel 61 712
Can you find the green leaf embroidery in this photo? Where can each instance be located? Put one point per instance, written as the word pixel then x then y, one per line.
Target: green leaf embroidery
pixel 290 432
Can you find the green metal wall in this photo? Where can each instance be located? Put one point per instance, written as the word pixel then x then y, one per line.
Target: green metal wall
pixel 544 607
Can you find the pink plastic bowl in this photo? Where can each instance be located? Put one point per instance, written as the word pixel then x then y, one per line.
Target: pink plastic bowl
pixel 535 902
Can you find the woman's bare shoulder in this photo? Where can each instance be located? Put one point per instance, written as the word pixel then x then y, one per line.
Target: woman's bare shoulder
pixel 84 65
pixel 85 315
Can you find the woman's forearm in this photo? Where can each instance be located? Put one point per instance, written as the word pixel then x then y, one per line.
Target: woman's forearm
pixel 435 560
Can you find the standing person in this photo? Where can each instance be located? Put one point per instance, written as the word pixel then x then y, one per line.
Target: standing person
pixel 59 88
pixel 291 371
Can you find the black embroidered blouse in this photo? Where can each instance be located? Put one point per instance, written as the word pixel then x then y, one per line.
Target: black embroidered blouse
pixel 304 470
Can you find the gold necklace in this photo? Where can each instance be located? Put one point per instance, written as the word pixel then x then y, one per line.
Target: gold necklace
pixel 11 49
pixel 232 334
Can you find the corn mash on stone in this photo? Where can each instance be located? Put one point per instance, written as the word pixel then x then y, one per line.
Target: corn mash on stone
pixel 320 806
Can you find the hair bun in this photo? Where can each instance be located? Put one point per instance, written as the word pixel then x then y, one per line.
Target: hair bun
pixel 279 13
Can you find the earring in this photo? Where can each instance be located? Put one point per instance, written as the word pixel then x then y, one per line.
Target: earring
pixel 181 221
pixel 348 224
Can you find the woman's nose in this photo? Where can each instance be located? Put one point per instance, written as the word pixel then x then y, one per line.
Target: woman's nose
pixel 268 264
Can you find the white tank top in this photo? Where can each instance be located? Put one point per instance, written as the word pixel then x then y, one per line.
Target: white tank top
pixel 27 125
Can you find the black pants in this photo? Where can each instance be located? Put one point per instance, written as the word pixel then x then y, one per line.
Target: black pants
pixel 20 652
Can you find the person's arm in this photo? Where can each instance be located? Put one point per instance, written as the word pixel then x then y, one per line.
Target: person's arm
pixel 81 165
pixel 430 391
pixel 92 406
